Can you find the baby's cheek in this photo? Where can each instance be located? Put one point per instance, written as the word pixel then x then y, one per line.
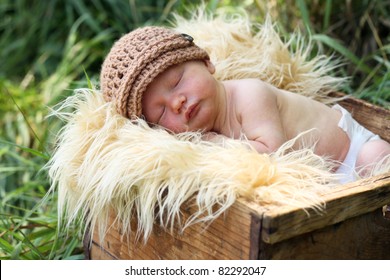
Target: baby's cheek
pixel 174 125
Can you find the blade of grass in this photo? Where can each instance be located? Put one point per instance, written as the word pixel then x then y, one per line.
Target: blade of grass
pixel 90 85
pixel 305 16
pixel 328 11
pixel 28 150
pixel 335 45
pixel 26 120
pixel 6 246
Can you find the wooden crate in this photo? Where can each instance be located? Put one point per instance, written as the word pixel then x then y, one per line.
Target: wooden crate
pixel 356 224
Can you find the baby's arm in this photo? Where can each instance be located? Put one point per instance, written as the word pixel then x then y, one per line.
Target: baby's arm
pixel 260 117
pixel 219 138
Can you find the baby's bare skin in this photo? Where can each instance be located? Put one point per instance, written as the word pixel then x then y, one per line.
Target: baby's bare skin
pixel 269 117
pixel 187 97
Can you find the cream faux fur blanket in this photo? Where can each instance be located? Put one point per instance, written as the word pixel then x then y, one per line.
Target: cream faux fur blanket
pixel 104 162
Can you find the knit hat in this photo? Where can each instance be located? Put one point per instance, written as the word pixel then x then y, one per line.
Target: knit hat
pixel 137 58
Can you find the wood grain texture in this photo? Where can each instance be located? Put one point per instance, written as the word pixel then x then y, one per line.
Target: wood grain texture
pixel 345 202
pixel 365 236
pixel 228 237
pixel 247 232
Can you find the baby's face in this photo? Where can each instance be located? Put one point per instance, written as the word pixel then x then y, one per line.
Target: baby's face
pixel 183 98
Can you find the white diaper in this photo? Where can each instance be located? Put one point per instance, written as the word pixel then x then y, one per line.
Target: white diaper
pixel 358 135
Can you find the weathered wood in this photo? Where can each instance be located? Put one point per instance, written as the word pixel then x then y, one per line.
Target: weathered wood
pixel 112 244
pixel 228 237
pixel 99 253
pixel 342 203
pixel 247 232
pixel 363 237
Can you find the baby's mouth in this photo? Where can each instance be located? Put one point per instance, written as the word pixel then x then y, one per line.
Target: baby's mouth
pixel 192 111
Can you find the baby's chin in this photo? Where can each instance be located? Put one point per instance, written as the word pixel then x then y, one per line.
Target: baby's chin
pixel 178 129
pixel 195 125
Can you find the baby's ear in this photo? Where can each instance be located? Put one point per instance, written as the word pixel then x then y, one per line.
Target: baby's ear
pixel 210 66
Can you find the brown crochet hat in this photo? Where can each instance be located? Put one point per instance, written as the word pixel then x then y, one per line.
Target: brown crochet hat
pixel 137 58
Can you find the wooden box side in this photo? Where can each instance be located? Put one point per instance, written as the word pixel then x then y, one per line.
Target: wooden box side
pixel 363 237
pixel 348 201
pixel 231 236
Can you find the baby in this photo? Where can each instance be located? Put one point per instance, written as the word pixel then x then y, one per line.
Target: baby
pixel 161 75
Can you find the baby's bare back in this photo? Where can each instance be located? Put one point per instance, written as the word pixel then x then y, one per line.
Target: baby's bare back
pixel 299 114
pixel 269 115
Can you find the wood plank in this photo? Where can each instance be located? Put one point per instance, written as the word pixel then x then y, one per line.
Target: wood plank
pixel 363 237
pixel 234 235
pixel 99 253
pixel 342 203
pixel 109 247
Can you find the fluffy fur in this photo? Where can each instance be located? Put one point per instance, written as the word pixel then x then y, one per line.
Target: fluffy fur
pixel 105 162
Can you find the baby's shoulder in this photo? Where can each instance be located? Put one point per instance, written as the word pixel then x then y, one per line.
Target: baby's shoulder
pixel 254 91
pixel 256 87
pixel 253 83
pixel 253 94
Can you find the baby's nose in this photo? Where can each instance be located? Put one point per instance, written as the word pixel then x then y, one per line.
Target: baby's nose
pixel 177 103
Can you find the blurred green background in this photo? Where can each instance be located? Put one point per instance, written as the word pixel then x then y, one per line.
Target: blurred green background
pixel 47 47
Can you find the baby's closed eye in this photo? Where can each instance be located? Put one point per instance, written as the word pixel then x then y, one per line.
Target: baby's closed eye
pixel 162 112
pixel 176 78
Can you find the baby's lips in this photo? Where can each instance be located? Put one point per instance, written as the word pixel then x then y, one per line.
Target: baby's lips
pixel 190 111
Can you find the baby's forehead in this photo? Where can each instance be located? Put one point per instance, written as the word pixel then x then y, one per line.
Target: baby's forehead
pixel 175 66
pixel 171 72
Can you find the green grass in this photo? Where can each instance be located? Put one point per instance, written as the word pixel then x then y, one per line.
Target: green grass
pixel 47 47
